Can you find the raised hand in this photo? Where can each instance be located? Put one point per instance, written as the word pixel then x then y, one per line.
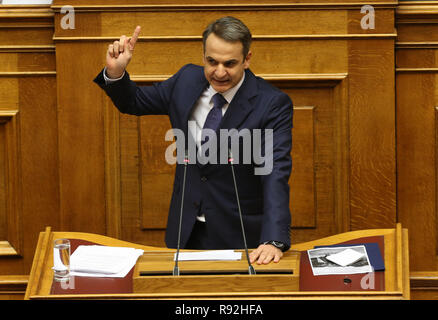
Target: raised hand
pixel 119 54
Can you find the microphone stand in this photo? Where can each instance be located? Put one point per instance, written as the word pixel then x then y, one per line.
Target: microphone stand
pixel 251 270
pixel 176 268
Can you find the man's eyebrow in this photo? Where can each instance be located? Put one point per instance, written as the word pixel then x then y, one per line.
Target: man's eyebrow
pixel 226 62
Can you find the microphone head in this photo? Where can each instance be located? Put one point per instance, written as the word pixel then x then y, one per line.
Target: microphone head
pixel 230 156
pixel 186 157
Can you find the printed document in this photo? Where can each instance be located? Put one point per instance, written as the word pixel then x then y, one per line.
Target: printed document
pixel 339 260
pixel 209 255
pixel 103 261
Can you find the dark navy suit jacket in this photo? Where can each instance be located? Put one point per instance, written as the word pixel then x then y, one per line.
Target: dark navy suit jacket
pixel 264 199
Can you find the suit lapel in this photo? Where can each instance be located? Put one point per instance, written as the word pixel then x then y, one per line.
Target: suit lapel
pixel 192 95
pixel 240 106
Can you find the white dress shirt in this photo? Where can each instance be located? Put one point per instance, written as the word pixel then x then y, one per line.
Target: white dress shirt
pixel 205 104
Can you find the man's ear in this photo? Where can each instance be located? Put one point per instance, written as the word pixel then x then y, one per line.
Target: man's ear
pixel 247 59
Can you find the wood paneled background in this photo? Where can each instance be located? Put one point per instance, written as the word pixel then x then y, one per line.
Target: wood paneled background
pixel 365 122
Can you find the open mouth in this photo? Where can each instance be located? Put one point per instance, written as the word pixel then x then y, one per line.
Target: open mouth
pixel 221 82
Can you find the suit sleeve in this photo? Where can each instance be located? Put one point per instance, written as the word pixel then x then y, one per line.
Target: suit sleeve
pixel 276 213
pixel 139 100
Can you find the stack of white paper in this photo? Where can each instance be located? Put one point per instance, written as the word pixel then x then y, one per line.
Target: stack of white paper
pixel 346 257
pixel 209 255
pixel 103 261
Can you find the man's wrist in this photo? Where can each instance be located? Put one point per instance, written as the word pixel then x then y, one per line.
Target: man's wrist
pixel 109 79
pixel 277 244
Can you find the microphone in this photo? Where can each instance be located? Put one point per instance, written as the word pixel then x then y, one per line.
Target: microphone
pixel 176 268
pixel 251 270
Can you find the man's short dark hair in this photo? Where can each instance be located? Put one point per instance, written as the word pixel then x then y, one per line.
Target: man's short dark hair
pixel 230 29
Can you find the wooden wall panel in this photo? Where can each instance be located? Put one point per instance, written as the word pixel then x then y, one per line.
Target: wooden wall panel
pixel 417 164
pixel 10 179
pixel 81 139
pixel 39 178
pixel 290 57
pixel 28 117
pixel 372 119
pixel 9 92
pixel 13 287
pixel 303 202
pixel 417 101
pixel 3 182
pixel 156 174
pixel 325 158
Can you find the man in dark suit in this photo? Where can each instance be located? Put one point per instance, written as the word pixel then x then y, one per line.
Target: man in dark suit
pixel 223 94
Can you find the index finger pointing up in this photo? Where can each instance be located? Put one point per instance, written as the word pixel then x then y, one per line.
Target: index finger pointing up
pixel 134 37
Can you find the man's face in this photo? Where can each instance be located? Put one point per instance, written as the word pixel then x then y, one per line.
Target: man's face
pixel 224 64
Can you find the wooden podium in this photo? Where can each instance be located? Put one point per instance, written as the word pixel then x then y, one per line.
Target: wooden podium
pixel 153 274
pixel 291 278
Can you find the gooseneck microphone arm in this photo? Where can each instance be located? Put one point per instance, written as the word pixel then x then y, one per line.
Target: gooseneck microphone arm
pixel 250 267
pixel 176 268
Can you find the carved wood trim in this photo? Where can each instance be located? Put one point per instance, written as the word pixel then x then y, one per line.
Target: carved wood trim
pixel 11 245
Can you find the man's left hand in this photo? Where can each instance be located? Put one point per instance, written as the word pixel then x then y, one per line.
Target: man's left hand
pixel 265 253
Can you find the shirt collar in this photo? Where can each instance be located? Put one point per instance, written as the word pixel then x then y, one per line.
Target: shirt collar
pixel 230 93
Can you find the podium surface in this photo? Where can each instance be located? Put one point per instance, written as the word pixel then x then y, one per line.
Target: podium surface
pixel 291 278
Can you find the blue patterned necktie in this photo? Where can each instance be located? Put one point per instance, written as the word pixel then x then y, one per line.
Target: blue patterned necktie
pixel 214 117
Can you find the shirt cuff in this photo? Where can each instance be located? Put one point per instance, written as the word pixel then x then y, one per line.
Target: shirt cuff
pixel 109 80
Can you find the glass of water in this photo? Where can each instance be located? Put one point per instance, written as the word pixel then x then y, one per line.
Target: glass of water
pixel 61 259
